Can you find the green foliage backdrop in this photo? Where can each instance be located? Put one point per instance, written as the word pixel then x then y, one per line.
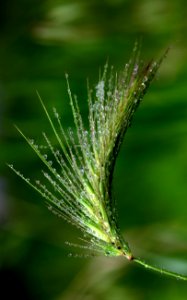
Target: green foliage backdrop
pixel 40 41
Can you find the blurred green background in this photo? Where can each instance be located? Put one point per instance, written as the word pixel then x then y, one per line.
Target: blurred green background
pixel 39 42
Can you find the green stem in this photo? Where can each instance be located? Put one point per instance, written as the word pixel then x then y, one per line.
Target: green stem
pixel 159 270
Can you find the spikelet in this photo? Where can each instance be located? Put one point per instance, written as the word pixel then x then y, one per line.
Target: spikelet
pixel 79 188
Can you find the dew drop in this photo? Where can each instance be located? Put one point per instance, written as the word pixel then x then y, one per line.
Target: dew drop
pixel 82 171
pixel 31 141
pixel 135 69
pixel 100 92
pixel 145 79
pixel 58 176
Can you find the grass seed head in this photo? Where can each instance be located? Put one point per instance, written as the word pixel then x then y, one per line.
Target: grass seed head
pixel 80 175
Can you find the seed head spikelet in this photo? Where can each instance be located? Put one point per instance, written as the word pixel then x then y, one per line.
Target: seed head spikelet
pixel 80 175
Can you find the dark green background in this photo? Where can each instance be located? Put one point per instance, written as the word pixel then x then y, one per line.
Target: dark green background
pixel 39 42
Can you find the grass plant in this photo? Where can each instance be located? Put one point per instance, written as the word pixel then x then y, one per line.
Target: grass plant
pixel 79 187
